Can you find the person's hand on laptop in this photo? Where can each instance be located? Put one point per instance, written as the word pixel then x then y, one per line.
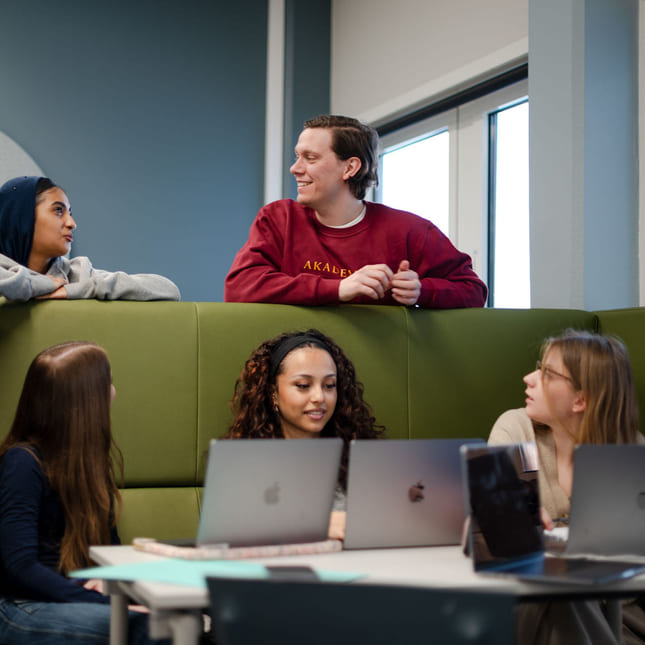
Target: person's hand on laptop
pixel 337 521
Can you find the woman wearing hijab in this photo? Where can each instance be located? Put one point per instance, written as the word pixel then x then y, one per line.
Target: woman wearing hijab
pixel 36 233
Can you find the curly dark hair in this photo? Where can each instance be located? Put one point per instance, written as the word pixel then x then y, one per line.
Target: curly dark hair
pixel 254 414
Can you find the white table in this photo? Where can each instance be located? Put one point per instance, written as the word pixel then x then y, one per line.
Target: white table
pixel 175 610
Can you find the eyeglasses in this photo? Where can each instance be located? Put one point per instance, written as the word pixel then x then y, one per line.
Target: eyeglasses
pixel 548 372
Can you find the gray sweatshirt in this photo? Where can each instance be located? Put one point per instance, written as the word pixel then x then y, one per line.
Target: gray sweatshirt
pixel 17 282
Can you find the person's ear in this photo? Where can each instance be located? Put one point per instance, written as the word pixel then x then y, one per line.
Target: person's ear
pixel 274 399
pixel 579 402
pixel 352 166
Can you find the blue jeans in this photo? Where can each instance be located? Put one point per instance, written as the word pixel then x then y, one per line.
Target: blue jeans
pixel 65 623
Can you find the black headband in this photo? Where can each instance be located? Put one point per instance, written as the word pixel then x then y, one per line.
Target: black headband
pixel 289 344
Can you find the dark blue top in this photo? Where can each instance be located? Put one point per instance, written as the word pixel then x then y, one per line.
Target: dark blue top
pixel 31 529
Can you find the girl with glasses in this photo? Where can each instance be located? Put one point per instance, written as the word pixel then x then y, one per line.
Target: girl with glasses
pixel 582 391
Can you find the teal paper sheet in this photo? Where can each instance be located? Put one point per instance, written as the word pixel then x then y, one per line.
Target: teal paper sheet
pixel 193 573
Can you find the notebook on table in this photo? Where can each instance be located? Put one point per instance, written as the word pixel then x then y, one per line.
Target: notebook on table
pixel 505 532
pixel 404 493
pixel 608 500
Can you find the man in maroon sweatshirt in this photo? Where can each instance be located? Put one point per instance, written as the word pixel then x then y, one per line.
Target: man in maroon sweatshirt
pixel 330 246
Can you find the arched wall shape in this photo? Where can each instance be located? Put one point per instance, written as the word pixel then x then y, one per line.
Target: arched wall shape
pixel 15 161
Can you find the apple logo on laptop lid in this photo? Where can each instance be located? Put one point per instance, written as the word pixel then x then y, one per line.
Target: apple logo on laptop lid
pixel 272 494
pixel 415 492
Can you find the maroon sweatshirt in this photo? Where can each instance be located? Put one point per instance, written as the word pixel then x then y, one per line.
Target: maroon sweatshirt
pixel 291 258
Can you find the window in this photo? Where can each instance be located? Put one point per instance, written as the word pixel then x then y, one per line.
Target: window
pixel 509 274
pixel 415 177
pixel 466 170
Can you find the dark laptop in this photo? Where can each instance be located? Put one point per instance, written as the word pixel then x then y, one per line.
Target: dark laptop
pixel 505 534
pixel 404 492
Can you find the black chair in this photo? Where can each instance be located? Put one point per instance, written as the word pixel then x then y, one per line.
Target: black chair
pixel 289 612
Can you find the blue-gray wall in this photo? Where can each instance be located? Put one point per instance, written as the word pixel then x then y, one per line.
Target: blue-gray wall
pixel 151 115
pixel 307 73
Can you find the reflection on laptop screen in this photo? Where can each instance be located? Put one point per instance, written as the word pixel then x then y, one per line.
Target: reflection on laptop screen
pixel 505 529
pixel 503 496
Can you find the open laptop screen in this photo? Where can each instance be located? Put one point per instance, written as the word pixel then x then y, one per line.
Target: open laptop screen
pixel 268 491
pixel 502 491
pixel 405 492
pixel 506 531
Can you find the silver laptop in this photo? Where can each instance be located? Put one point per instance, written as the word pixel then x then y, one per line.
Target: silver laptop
pixel 608 500
pixel 268 491
pixel 505 536
pixel 404 493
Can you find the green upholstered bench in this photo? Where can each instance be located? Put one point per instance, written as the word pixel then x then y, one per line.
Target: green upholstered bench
pixel 174 364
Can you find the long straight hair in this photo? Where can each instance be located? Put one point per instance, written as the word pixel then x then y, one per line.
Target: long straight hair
pixel 600 368
pixel 63 420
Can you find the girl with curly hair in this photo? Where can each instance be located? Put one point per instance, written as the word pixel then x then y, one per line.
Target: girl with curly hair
pixel 302 385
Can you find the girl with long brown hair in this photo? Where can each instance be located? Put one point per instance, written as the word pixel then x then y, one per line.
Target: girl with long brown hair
pixel 59 470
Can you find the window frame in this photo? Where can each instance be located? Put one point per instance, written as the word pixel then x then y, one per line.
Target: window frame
pixel 469 189
pixel 492 190
pixel 445 122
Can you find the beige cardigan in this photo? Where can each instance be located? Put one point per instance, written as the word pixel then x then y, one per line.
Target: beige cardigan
pixel 514 426
pixel 573 623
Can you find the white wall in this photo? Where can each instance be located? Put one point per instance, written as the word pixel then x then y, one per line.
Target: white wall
pixel 14 161
pixel 388 55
